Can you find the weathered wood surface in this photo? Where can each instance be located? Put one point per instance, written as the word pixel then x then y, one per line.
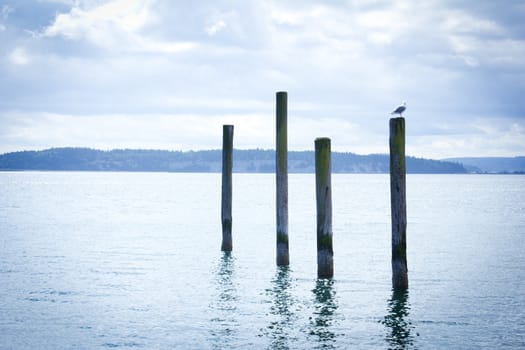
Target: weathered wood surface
pixel 281 170
pixel 323 182
pixel 226 207
pixel 398 203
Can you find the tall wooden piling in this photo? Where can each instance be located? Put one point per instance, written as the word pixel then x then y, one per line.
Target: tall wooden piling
pixel 281 170
pixel 226 207
pixel 323 185
pixel 398 203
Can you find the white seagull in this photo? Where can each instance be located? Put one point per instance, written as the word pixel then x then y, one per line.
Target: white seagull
pixel 399 110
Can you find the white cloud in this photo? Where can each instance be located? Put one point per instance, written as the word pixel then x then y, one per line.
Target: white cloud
pixel 488 136
pixel 457 21
pixel 19 56
pixel 115 26
pixel 126 16
pixel 4 14
pixel 216 27
pixel 145 131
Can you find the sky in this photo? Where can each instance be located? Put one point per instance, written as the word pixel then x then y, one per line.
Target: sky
pixel 167 74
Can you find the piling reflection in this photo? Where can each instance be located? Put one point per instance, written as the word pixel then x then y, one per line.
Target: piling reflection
pixel 324 315
pixel 281 328
pixel 225 324
pixel 397 321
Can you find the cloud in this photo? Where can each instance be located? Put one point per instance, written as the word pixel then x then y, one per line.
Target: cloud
pixel 458 21
pixel 19 56
pixel 345 65
pixel 115 26
pixel 215 27
pixel 487 136
pixel 4 14
pixel 152 131
pixel 95 24
pixel 5 11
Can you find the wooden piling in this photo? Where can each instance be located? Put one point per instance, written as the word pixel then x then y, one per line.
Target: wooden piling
pixel 281 170
pixel 323 185
pixel 398 203
pixel 226 207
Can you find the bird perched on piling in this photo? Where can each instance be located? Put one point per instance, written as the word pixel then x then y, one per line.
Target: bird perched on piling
pixel 399 110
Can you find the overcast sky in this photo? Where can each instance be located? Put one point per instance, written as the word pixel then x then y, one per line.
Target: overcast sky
pixel 161 74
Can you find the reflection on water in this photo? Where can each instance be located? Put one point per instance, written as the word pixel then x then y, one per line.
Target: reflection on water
pixel 225 324
pixel 324 314
pixel 282 327
pixel 397 321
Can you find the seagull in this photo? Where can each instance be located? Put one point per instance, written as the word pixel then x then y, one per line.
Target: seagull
pixel 399 110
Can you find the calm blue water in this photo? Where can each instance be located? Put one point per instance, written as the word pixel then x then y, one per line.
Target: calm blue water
pixel 132 260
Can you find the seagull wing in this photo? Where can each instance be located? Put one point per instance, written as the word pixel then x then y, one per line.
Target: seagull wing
pixel 399 110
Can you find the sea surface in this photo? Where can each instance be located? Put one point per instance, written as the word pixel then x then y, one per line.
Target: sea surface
pixel 132 261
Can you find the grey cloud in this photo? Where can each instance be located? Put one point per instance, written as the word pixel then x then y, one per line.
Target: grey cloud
pixel 509 14
pixel 348 60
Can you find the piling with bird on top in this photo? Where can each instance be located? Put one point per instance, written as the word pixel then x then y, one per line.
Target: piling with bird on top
pixel 398 203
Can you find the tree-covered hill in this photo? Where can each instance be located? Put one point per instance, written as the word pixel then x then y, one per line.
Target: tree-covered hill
pixel 251 161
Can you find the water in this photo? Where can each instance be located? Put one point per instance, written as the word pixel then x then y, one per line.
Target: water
pixel 132 260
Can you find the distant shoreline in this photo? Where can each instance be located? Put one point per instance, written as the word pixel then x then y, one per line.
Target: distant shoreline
pixel 244 161
pixel 235 172
pixel 209 161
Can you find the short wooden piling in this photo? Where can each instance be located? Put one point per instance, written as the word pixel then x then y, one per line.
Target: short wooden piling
pixel 323 185
pixel 398 203
pixel 226 207
pixel 281 170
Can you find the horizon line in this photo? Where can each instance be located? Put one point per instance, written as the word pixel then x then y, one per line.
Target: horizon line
pixel 237 149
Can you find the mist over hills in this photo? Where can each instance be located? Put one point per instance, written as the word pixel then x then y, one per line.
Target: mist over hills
pixel 492 165
pixel 248 161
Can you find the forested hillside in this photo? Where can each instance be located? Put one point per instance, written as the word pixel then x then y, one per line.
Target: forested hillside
pixel 263 161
